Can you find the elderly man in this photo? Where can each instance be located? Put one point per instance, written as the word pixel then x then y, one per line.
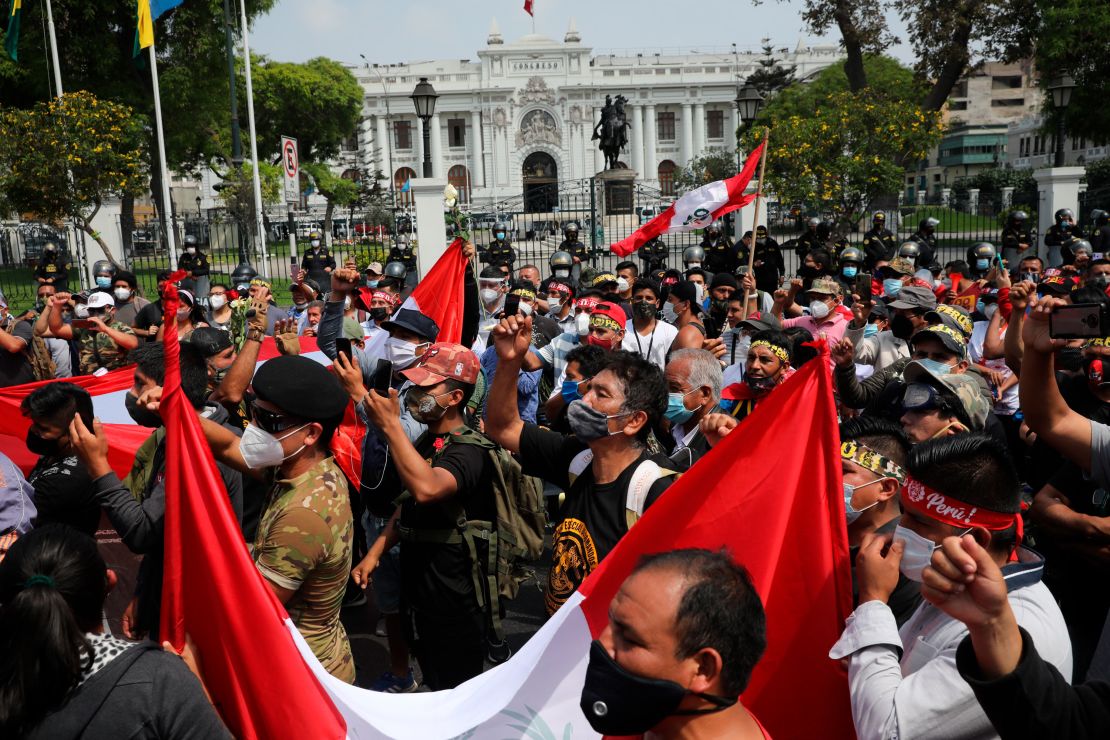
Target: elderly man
pixel 694 390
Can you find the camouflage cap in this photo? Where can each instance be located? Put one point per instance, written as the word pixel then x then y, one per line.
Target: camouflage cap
pixel 901 265
pixel 952 339
pixel 952 316
pixel 444 360
pixel 961 391
pixel 825 286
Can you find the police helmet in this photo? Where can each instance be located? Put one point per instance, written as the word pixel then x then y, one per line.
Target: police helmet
pixel 561 259
pixel 851 254
pixel 981 251
pixel 103 267
pixel 242 275
pixel 813 222
pixel 570 228
pixel 693 254
pixel 928 223
pixel 314 236
pixel 190 240
pixel 396 270
pixel 1100 216
pixel 713 228
pixel 824 230
pixel 1064 214
pixel 501 228
pixel 1081 245
pixel 910 250
pixel 49 247
pixel 878 216
pixel 1018 216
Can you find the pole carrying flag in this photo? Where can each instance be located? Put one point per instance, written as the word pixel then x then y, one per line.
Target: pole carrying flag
pixel 696 209
pixel 148 12
pixel 439 294
pixel 11 37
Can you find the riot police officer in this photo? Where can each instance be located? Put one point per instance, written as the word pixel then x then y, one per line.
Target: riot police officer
pixel 195 263
pixel 692 258
pixel 561 264
pixel 980 259
pixel 1100 236
pixel 926 240
pixel 403 252
pixel 849 263
pixel 103 272
pixel 499 251
pixel 720 256
pixel 768 265
pixel 1061 234
pixel 808 240
pixel 878 242
pixel 828 241
pixel 53 268
pixel 654 255
pixel 1016 237
pixel 912 252
pixel 317 262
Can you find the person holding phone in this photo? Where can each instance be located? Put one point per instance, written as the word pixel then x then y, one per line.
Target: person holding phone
pixel 103 342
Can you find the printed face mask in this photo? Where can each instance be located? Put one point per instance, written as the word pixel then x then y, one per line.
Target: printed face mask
pixel 423 406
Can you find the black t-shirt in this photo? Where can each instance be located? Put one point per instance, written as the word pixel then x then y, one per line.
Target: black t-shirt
pixel 592 519
pixel 64 494
pixel 438 579
pixel 150 315
pixel 15 368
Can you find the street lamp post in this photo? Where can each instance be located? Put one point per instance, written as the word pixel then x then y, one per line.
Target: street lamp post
pixel 1060 88
pixel 424 98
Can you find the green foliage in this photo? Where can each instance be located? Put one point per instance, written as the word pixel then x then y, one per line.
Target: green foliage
pixel 62 158
pixel 1098 174
pixel 1071 39
pixel 237 191
pixel 715 164
pixel 990 182
pixel 337 190
pixel 770 76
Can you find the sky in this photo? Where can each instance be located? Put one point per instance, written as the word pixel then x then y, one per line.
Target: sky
pixel 415 30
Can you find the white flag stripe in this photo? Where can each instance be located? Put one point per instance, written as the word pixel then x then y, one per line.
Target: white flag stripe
pixel 695 209
pixel 535 694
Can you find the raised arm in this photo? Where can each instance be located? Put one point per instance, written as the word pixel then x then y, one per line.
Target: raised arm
pixel 239 375
pixel 511 338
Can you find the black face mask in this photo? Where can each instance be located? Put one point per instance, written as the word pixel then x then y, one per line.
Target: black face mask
pixel 643 310
pixel 379 314
pixel 41 446
pixel 617 702
pixel 142 416
pixel 1070 359
pixel 808 273
pixel 718 307
pixel 900 326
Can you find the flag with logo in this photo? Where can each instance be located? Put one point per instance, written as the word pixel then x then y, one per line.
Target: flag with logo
pixel 696 209
pixel 439 294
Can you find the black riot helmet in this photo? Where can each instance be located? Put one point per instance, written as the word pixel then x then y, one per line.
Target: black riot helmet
pixel 396 270
pixel 909 250
pixel 501 231
pixel 713 229
pixel 1017 218
pixel 824 230
pixel 242 275
pixel 813 223
pixel 103 268
pixel 1100 217
pixel 878 218
pixel 1063 215
pixel 981 254
pixel 928 225
pixel 851 254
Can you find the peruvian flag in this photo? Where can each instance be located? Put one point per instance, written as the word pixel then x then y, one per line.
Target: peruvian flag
pixel 528 8
pixel 696 209
pixel 439 294
pixel 770 493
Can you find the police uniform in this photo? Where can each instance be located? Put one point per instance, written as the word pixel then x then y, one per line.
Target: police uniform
pixel 303 544
pixel 720 255
pixel 1057 236
pixel 1100 238
pixel 806 242
pixel 95 349
pixel 197 266
pixel 54 271
pixel 654 254
pixel 316 263
pixel 769 265
pixel 927 244
pixel 405 254
pixel 878 245
pixel 576 249
pixel 1012 238
pixel 500 252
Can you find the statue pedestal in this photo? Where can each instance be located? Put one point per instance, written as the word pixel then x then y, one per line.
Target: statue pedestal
pixel 616 191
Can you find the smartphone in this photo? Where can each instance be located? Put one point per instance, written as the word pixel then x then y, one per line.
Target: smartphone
pixel 512 305
pixel 293 270
pixel 862 286
pixel 83 324
pixel 343 344
pixel 383 377
pixel 1078 321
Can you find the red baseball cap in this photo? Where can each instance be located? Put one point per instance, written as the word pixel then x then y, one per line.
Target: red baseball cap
pixel 604 312
pixel 444 360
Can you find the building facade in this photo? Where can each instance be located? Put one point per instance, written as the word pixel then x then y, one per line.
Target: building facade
pixel 522 116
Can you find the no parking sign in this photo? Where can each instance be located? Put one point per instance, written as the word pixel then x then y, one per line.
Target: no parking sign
pixel 291 166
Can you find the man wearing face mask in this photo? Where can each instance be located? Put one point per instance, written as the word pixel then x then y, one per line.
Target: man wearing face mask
pixel 492 289
pixel 137 506
pixel 128 301
pixel 317 262
pixel 553 355
pixel 105 343
pixel 926 240
pixel 574 247
pixel 693 391
pixel 500 251
pixel 823 298
pixel 102 271
pixel 682 309
pixel 53 268
pixel 887 347
pixel 560 303
pixel 605 469
pixel 904 682
pixel 716 304
pixel 195 263
pixel 873 453
pixel 768 364
pixel 685 631
pixel 63 487
pixel 878 242
pixel 850 263
pixel 561 263
pixel 304 542
pixel 650 338
pixel 720 254
pixel 654 255
pixel 937 403
pixel 446 474
pixel 627 273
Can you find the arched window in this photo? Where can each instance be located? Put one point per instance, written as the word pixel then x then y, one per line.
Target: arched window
pixel 400 185
pixel 666 178
pixel 459 177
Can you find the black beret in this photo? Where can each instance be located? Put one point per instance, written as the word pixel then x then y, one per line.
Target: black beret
pixel 300 387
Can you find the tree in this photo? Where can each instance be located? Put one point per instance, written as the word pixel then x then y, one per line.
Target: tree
pixel 770 76
pixel 836 149
pixel 61 159
pixel 1071 39
pixel 942 33
pixel 715 164
pixel 338 191
pixel 237 189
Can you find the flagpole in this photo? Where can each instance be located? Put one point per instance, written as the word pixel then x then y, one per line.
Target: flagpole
pixel 259 224
pixel 164 174
pixel 755 220
pixel 53 47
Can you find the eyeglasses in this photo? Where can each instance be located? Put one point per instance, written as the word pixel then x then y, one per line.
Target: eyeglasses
pixel 921 397
pixel 271 421
pixel 98 311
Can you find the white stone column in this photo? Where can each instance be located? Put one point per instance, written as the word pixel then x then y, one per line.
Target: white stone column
pixel 437 148
pixel 636 139
pixel 418 147
pixel 477 169
pixel 1058 188
pixel 699 129
pixel 431 232
pixel 687 134
pixel 651 159
pixel 599 158
pixel 383 144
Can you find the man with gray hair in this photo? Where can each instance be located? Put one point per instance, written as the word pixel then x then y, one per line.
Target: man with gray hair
pixel 694 381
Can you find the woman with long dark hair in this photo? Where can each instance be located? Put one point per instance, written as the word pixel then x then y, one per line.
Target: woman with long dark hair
pixel 61 676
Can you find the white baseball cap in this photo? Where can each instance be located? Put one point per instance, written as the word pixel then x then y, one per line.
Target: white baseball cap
pixel 100 299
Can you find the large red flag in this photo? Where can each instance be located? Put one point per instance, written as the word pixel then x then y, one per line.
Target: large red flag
pixel 439 294
pixel 771 493
pixel 696 209
pixel 212 591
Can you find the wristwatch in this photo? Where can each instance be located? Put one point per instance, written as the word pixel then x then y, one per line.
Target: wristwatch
pixel 255 335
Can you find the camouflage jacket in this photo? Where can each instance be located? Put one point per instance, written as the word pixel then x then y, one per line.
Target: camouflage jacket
pixel 304 545
pixel 96 349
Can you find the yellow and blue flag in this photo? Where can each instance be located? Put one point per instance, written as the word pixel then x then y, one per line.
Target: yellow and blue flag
pixel 148 12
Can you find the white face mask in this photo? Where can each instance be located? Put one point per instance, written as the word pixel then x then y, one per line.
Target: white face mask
pixel 190 250
pixel 122 294
pixel 401 353
pixel 818 309
pixel 526 309
pixel 217 301
pixel 554 305
pixel 81 311
pixel 692 265
pixel 490 296
pixel 622 285
pixel 315 243
pixel 582 324
pixel 260 449
pixel 669 314
pixel 918 552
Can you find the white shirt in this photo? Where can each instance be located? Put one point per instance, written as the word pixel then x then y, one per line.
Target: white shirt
pixel 652 347
pixel 922 695
pixel 1009 403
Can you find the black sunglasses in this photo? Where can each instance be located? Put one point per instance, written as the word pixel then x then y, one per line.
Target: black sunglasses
pixel 271 421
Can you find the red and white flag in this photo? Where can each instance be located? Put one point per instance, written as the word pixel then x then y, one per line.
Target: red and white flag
pixel 439 294
pixel 696 209
pixel 770 493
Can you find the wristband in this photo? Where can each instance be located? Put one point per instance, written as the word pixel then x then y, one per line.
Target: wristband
pixel 255 335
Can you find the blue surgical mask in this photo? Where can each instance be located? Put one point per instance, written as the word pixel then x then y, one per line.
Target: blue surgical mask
pixel 500 235
pixel 372 283
pixel 569 391
pixel 849 491
pixel 870 330
pixel 980 306
pixel 936 368
pixel 849 271
pixel 892 287
pixel 982 265
pixel 103 282
pixel 676 411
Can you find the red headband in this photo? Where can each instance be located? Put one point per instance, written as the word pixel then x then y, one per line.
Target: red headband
pixel 382 295
pixel 588 302
pixel 918 497
pixel 559 287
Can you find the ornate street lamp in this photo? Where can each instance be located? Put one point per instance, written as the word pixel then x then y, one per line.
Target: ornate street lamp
pixel 748 102
pixel 424 98
pixel 1060 88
